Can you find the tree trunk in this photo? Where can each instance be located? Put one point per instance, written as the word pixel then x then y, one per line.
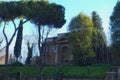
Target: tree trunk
pixel 7 48
pixel 6 62
pixel 29 56
pixel 6 53
pixel 40 53
pixel 17 47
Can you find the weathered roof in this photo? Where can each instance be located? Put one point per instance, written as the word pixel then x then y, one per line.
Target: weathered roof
pixel 59 38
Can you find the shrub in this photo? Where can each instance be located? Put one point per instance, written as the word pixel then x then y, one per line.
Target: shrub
pixel 17 64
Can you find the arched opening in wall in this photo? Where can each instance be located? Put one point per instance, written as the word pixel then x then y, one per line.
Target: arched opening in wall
pixel 64 55
pixel 64 50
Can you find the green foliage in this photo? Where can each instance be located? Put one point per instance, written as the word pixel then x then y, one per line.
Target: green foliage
pixel 16 64
pixel 41 14
pixel 44 13
pixel 115 28
pixel 80 22
pixel 18 43
pixel 98 38
pixel 96 71
pixel 9 11
pixel 36 60
pixel 80 37
pixel 51 69
pixel 98 32
pixel 115 33
pixel 81 71
pixel 38 12
pixel 25 70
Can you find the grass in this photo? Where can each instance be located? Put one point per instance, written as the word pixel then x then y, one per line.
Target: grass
pixel 94 71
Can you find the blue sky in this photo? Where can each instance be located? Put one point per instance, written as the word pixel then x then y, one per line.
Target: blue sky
pixel 73 7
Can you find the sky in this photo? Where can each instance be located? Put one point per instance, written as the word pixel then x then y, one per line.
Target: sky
pixel 72 8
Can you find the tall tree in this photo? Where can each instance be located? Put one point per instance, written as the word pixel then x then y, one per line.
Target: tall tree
pixel 115 33
pixel 18 43
pixel 51 15
pixel 22 7
pixel 98 38
pixel 30 41
pixel 8 12
pixel 38 12
pixel 80 39
pixel 30 50
pixel 26 9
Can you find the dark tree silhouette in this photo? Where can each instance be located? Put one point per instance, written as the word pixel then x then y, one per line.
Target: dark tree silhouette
pixel 17 48
pixel 98 38
pixel 51 15
pixel 30 49
pixel 38 12
pixel 115 33
pixel 8 12
pixel 22 7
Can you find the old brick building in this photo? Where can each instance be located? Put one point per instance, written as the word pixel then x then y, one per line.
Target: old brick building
pixel 57 50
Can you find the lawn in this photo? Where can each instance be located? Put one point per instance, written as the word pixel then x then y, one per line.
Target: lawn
pixel 96 71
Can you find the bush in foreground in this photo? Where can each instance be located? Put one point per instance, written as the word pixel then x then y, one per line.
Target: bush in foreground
pixel 68 71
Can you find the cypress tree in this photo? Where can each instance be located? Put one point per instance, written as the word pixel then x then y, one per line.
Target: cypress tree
pixel 98 38
pixel 115 33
